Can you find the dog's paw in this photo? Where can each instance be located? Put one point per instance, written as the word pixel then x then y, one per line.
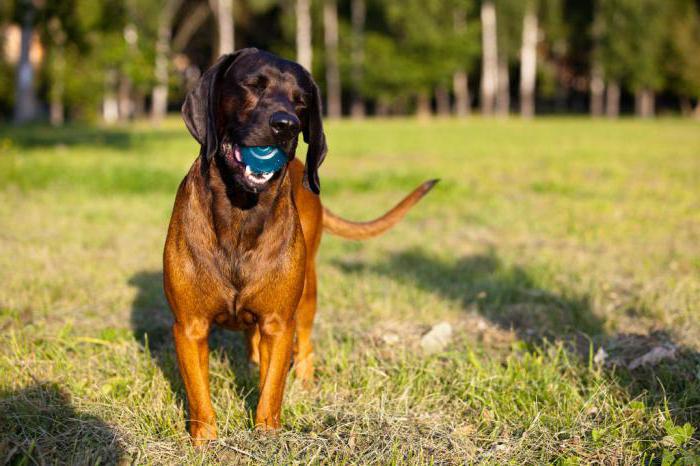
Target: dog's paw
pixel 304 371
pixel 202 434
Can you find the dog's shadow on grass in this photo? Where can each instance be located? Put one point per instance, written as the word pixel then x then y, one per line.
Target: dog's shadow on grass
pixel 510 297
pixel 38 425
pixel 151 321
pixel 507 296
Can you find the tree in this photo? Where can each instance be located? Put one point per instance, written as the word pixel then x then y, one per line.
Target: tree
pixel 460 78
pixel 426 51
pixel 489 61
pixel 509 16
pixel 160 90
pixel 632 38
pixel 330 34
pixel 25 94
pixel 358 14
pixel 303 33
pixel 223 10
pixel 682 63
pixel 528 61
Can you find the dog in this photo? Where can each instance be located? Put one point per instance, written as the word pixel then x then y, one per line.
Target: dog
pixel 240 246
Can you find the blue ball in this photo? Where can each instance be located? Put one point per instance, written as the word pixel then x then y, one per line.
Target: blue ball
pixel 263 159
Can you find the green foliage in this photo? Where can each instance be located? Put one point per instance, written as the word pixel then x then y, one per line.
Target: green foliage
pixel 632 41
pixel 418 45
pixel 682 58
pixel 509 26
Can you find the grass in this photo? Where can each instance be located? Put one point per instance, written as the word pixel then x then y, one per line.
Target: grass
pixel 544 242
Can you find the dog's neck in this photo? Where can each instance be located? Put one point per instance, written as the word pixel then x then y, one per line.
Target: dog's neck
pixel 240 218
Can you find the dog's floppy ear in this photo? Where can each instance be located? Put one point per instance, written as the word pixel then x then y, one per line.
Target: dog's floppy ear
pixel 315 138
pixel 199 109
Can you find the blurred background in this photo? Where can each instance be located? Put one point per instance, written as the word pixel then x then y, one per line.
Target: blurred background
pixel 116 60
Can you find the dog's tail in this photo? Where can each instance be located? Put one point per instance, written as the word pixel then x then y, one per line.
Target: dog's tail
pixel 363 230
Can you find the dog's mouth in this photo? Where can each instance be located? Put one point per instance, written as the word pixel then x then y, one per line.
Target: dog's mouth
pixel 253 177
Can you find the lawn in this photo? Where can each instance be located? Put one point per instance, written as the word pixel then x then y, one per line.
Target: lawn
pixel 560 251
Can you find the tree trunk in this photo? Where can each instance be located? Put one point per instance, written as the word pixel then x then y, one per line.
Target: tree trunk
pixel 460 81
pixel 597 90
pixel 503 98
pixel 225 24
pixel 489 68
pixel 25 96
pixel 330 35
pixel 460 87
pixel 126 105
pixel 190 24
pixel 383 107
pixel 423 105
pixel 644 103
pixel 612 100
pixel 442 99
pixel 304 51
pixel 110 105
pixel 58 73
pixel 359 12
pixel 160 91
pixel 696 110
pixel 528 63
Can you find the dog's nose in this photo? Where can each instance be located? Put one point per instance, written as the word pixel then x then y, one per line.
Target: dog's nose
pixel 284 125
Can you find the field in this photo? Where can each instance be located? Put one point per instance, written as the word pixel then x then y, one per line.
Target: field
pixel 544 242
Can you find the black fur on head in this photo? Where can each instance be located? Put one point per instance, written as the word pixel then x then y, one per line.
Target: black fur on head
pixel 234 102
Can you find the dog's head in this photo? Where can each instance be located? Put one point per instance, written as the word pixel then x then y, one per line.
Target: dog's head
pixel 254 98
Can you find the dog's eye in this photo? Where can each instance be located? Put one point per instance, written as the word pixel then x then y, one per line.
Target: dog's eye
pixel 256 85
pixel 299 103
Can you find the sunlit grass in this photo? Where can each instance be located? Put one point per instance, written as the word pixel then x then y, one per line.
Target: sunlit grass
pixel 543 241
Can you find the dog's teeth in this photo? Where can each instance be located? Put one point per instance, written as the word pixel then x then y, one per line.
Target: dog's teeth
pixel 257 177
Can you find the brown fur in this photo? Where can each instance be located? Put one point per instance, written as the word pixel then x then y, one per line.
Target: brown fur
pixel 244 259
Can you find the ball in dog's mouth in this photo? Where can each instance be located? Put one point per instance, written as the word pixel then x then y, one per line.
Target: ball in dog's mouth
pixel 260 162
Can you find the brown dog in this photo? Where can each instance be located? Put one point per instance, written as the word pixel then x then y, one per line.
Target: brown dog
pixel 240 247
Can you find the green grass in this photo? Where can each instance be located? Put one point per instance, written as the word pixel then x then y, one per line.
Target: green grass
pixel 544 241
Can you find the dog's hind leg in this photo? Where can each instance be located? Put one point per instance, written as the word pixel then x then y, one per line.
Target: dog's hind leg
pixel 252 335
pixel 303 347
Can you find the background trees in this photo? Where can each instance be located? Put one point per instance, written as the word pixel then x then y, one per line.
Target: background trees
pixel 78 59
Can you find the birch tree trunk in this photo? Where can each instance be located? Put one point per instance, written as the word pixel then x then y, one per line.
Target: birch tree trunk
pixel 644 103
pixel 489 68
pixel 160 91
pixel 110 106
pixel 528 62
pixel 460 80
pixel 612 100
pixel 359 12
pixel 503 97
pixel 25 96
pixel 304 51
pixel 330 35
pixel 597 90
pixel 224 21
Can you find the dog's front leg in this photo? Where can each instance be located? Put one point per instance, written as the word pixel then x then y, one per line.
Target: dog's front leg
pixel 192 350
pixel 276 338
